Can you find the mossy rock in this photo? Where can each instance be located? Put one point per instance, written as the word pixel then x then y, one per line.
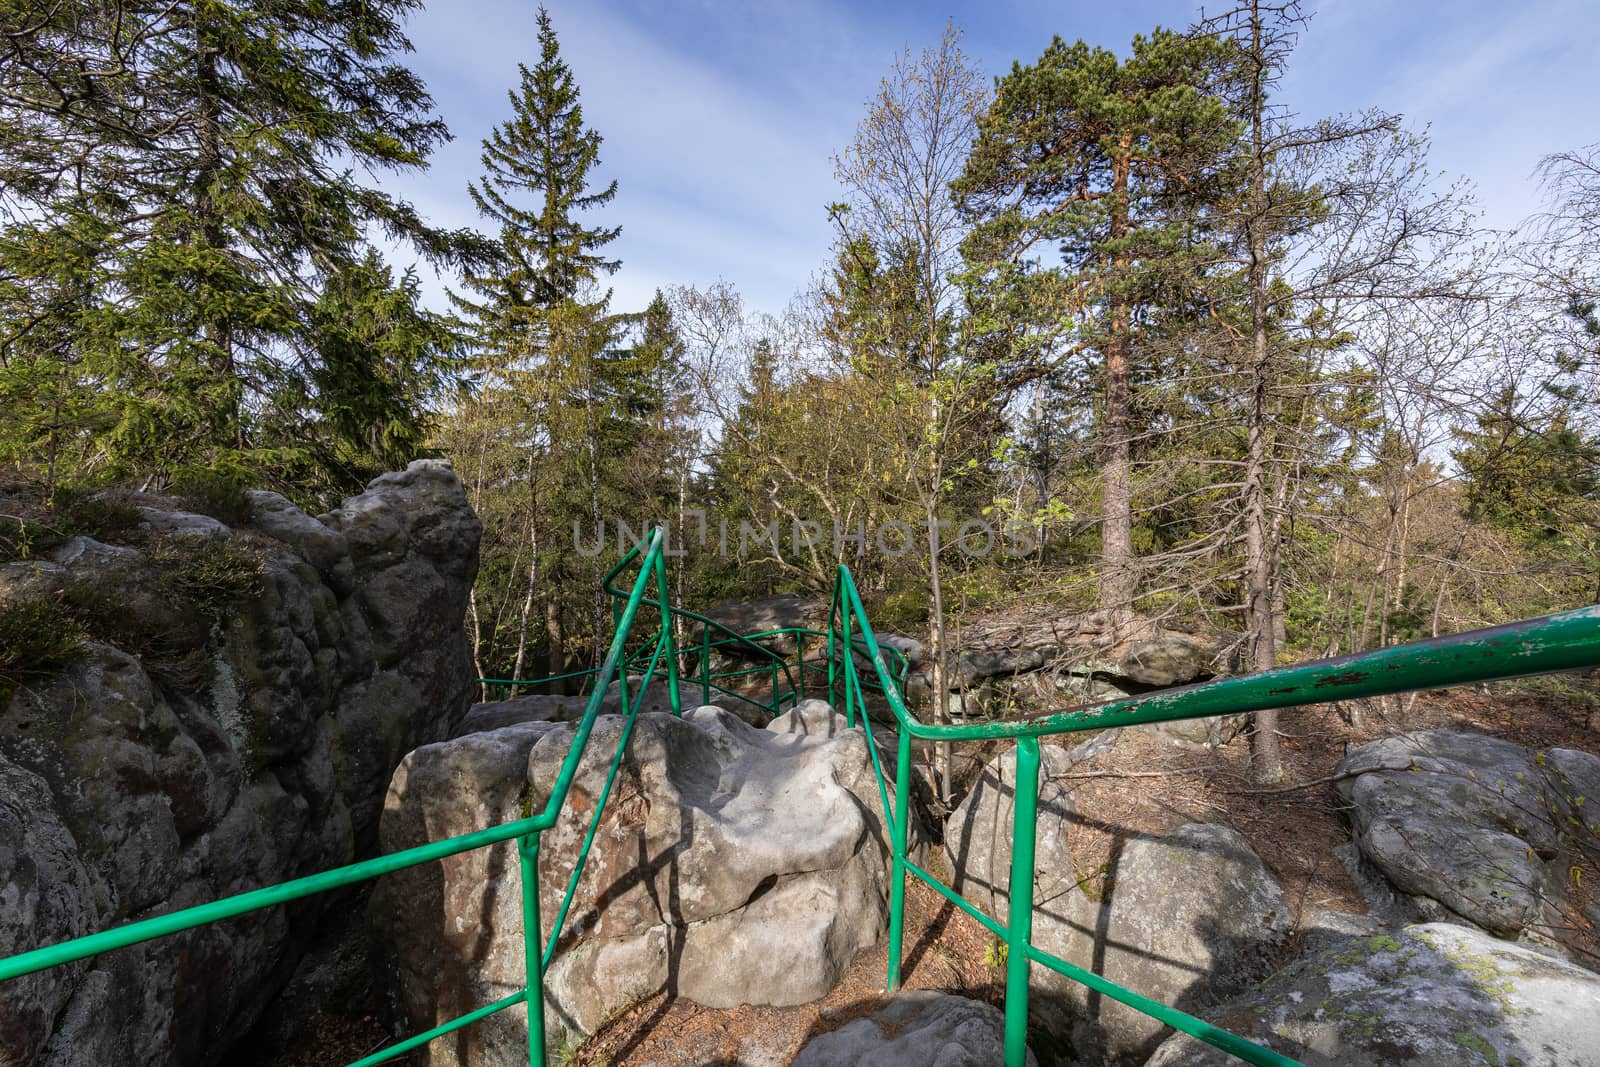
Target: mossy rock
pixel 1433 995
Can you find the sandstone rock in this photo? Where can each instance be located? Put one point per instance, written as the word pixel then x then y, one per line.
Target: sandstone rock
pixel 437 929
pixel 1475 823
pixel 1436 995
pixel 760 614
pixel 211 757
pixel 43 886
pixel 809 718
pixel 732 865
pixel 184 524
pixel 532 707
pixel 565 707
pixel 1324 928
pixel 917 1028
pixel 1198 735
pixel 1166 660
pixel 975 665
pixel 977 836
pixel 1187 919
pixel 317 543
pixel 909 647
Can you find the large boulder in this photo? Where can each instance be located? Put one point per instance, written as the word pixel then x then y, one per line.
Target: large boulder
pixel 1011 667
pixel 978 837
pixel 917 1028
pixel 760 615
pixel 538 706
pixel 1435 995
pixel 733 865
pixel 436 929
pixel 1171 659
pixel 43 886
pixel 1479 825
pixel 973 666
pixel 201 748
pixel 1187 919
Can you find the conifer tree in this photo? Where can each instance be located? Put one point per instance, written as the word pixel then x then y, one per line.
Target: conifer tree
pixel 568 391
pixel 183 209
pixel 535 186
pixel 1107 164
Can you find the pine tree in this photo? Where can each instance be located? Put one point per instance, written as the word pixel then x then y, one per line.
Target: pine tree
pixel 183 205
pixel 1536 474
pixel 1111 163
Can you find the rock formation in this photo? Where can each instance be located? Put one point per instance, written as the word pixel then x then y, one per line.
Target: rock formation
pixel 216 753
pixel 917 1027
pixel 1486 828
pixel 733 865
pixel 1436 995
pixel 1186 918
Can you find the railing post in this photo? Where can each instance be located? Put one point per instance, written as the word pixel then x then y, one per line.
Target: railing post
pixel 847 650
pixel 833 663
pixel 800 661
pixel 532 936
pixel 1019 924
pixel 674 694
pixel 898 842
pixel 705 664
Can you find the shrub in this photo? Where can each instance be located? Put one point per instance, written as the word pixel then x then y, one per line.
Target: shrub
pixel 212 574
pixel 36 636
pixel 106 515
pixel 220 496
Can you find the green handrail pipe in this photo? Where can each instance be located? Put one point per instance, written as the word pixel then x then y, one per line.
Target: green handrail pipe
pixel 1567 641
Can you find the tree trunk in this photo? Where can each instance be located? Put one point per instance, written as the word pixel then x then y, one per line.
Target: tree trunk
pixel 1117 579
pixel 527 601
pixel 1260 624
pixel 937 654
pixel 555 637
pixel 533 571
pixel 475 627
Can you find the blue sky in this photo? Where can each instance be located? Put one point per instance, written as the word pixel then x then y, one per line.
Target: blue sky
pixel 719 117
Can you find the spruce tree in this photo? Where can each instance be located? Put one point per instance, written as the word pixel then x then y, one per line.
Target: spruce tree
pixel 550 355
pixel 184 206
pixel 535 186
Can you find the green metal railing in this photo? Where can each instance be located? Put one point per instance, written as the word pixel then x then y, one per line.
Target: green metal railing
pixel 1555 643
pixel 662 656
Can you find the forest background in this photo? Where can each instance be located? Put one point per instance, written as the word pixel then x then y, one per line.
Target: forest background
pixel 1216 362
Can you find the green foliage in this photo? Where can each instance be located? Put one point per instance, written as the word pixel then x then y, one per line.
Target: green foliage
pixel 1538 476
pixel 901 611
pixel 1129 138
pixel 534 188
pixel 212 575
pixel 36 636
pixel 199 289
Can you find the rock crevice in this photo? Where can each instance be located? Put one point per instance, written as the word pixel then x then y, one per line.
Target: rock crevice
pixel 212 757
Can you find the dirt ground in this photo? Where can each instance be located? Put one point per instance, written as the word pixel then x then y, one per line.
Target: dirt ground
pixel 1141 785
